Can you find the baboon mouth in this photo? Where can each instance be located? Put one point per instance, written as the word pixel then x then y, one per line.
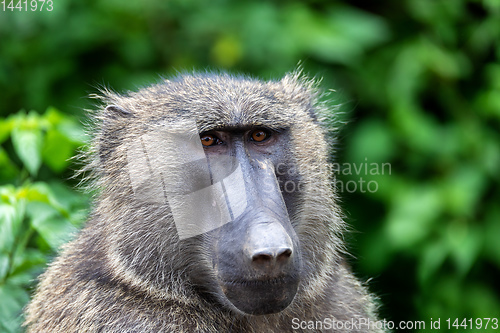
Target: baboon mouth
pixel 262 296
pixel 259 282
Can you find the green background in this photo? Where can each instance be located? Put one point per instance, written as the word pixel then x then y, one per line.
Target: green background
pixel 419 86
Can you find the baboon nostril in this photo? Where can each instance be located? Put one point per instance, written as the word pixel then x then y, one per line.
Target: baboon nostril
pixel 284 254
pixel 262 258
pixel 271 256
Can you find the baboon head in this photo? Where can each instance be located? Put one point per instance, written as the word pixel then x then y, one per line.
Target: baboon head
pixel 217 185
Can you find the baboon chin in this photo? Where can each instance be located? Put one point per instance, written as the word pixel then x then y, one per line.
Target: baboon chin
pixel 215 212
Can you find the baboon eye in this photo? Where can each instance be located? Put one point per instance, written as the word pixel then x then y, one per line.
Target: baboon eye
pixel 259 135
pixel 209 140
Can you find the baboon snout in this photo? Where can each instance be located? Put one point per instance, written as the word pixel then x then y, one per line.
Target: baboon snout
pixel 264 277
pixel 269 248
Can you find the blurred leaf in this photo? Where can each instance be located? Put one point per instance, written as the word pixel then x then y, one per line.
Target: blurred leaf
pixel 5 128
pixel 462 189
pixel 73 131
pixel 57 150
pixel 433 256
pixel 48 222
pixel 465 243
pixel 8 170
pixel 54 116
pixel 480 302
pixel 28 261
pixel 226 51
pixel 13 299
pixel 405 78
pixel 4 266
pixel 55 195
pixel 11 216
pixel 489 103
pixel 28 145
pixel 412 213
pixel 419 130
pixel 65 126
pixel 8 226
pixel 38 191
pixel 492 230
pixel 377 253
pixel 73 202
pixel 488 100
pixel 372 142
pixel 341 36
pixel 446 64
pixel 443 298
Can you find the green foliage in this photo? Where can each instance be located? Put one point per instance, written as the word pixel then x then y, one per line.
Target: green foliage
pixel 38 213
pixel 423 77
pixel 424 109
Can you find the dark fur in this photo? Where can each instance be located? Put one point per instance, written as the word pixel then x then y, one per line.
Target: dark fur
pixel 127 271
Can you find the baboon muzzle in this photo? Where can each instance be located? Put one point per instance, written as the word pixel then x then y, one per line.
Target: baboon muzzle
pixel 259 267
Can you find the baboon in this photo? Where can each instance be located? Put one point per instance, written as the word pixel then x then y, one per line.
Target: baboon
pixel 215 212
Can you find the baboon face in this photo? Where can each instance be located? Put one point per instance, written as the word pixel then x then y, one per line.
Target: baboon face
pixel 256 257
pixel 212 162
pixel 224 194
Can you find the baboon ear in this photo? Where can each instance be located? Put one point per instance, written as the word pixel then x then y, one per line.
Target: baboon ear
pixel 114 117
pixel 115 111
pixel 113 126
